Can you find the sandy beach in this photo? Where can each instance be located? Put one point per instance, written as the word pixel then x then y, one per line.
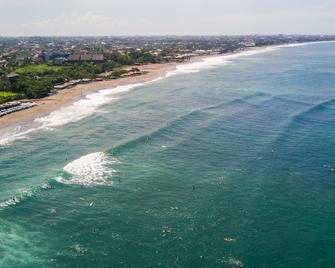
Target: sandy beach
pixel 68 96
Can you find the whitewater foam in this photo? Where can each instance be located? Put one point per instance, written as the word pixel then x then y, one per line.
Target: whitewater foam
pixel 213 62
pixel 23 194
pixel 8 136
pixel 92 102
pixel 69 114
pixel 89 170
pixel 84 107
pixel 303 44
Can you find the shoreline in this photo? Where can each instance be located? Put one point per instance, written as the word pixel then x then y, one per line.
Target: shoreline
pixel 67 97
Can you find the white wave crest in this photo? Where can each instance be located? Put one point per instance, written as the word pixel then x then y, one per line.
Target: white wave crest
pixel 8 136
pixel 195 67
pixel 213 61
pixel 10 202
pixel 69 114
pixel 20 195
pixel 84 107
pixel 303 44
pixel 89 170
pixel 92 102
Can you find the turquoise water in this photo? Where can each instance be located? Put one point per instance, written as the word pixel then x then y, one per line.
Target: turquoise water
pixel 227 167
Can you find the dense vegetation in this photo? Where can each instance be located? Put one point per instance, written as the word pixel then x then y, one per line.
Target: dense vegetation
pixel 37 80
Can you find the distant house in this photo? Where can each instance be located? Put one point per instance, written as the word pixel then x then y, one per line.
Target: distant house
pixel 53 55
pixel 2 63
pixel 73 58
pixel 12 78
pixel 86 58
pixel 59 61
pixel 98 57
pixel 248 44
pixel 201 52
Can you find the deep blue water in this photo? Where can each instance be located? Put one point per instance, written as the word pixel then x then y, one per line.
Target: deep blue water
pixel 228 167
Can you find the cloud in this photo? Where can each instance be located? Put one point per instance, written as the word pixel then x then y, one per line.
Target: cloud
pixel 145 17
pixel 75 24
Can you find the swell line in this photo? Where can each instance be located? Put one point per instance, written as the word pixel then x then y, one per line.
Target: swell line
pixel 193 115
pixel 293 123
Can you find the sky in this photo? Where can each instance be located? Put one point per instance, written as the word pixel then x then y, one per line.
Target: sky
pixel 168 17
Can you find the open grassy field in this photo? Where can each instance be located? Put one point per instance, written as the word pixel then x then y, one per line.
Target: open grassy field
pixel 9 96
pixel 39 69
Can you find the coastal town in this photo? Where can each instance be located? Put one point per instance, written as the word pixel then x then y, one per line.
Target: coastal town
pixel 36 67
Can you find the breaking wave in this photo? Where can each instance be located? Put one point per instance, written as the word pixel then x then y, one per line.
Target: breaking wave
pixel 92 102
pixel 84 107
pixel 214 61
pixel 89 170
pixel 7 137
pixel 21 195
pixel 69 114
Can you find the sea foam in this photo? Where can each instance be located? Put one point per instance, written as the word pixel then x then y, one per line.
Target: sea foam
pixel 213 62
pixel 89 170
pixel 8 136
pixel 22 194
pixel 92 102
pixel 84 107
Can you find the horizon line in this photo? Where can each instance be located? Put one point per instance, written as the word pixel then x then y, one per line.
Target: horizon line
pixel 170 35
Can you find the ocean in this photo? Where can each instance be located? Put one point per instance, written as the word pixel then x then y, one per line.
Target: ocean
pixel 229 162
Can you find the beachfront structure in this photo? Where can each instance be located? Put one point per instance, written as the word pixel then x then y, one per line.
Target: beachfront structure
pixel 59 61
pixel 73 83
pixel 12 107
pixel 86 57
pixel 12 78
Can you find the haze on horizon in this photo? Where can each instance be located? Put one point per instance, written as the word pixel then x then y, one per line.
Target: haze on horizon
pixel 173 17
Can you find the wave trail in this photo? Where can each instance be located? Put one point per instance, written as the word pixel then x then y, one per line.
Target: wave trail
pixel 22 195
